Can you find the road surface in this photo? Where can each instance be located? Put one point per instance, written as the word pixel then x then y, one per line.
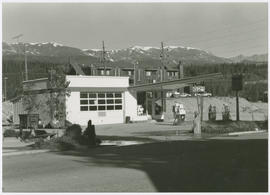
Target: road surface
pixel 234 164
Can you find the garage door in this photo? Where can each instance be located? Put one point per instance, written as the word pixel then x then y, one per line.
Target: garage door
pixel 104 107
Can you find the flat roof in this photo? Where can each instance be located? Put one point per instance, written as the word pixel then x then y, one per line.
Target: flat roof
pixel 175 84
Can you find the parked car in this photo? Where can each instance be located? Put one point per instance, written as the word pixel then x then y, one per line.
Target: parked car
pixel 203 94
pixel 184 95
pixel 175 94
pixel 207 94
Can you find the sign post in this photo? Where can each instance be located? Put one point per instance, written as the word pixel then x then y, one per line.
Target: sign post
pixel 237 85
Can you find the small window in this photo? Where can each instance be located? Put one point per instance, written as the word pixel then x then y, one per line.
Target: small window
pixel 101 101
pixel 92 95
pixel 110 101
pixel 83 95
pixel 101 95
pixel 110 107
pixel 107 72
pixel 92 108
pixel 84 101
pixel 101 107
pixel 92 101
pixel 84 108
pixel 118 107
pixel 148 73
pixel 102 72
pixel 139 74
pixel 118 95
pixel 118 101
pixel 109 95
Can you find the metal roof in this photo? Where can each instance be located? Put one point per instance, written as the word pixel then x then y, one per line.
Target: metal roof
pixel 77 69
pixel 175 84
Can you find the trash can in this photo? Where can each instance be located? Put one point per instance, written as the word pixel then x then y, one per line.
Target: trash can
pixel 127 119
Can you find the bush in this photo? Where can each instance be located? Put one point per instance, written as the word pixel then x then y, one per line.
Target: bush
pixel 65 143
pixel 219 127
pixel 10 133
pixel 62 143
pixel 74 132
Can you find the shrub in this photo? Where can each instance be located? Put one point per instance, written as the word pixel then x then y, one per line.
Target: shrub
pixel 61 143
pixel 65 143
pixel 10 133
pixel 74 132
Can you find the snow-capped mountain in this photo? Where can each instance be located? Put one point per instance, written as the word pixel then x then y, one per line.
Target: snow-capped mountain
pixel 41 49
pixel 142 54
pixel 172 54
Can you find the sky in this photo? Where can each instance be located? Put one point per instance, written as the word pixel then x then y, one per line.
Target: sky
pixel 224 29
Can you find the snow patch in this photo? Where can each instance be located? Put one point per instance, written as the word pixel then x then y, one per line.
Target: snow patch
pixel 33 43
pixel 57 44
pixel 96 49
pixel 143 48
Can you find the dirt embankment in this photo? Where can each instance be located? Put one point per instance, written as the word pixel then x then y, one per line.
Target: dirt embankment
pixel 248 110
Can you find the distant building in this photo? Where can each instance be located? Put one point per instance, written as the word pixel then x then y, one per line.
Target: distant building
pixel 108 95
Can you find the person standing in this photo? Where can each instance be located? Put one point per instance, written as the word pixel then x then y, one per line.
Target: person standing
pixel 90 133
pixel 210 112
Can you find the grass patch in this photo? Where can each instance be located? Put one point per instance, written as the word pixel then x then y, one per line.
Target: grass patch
pixel 63 143
pixel 221 127
pixel 128 138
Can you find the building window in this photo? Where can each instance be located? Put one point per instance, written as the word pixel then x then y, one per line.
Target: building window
pixel 100 101
pixel 107 72
pixel 139 74
pixel 130 73
pixel 148 73
pixel 172 74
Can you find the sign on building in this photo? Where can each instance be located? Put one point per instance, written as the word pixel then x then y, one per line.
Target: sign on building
pixel 198 89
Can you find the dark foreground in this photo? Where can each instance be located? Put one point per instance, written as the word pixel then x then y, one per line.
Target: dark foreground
pixel 211 165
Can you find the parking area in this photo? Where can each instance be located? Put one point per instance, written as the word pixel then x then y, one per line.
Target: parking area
pixel 159 131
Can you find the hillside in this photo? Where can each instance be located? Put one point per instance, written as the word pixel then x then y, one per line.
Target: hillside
pixel 253 58
pixel 246 108
pixel 173 54
pixel 145 56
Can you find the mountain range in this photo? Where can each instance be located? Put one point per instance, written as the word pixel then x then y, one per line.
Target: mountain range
pixel 143 55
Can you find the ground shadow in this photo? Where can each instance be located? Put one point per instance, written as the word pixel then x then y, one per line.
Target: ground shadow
pixel 191 166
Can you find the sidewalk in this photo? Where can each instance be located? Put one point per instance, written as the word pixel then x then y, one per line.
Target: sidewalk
pixel 13 146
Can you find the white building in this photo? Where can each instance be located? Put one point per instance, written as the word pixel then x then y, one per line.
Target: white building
pixel 103 99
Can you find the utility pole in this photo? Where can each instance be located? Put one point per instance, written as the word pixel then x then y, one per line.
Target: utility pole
pixel 134 73
pixel 103 59
pixel 5 85
pixel 17 37
pixel 162 78
pixel 25 63
pixel 162 62
pixel 237 106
